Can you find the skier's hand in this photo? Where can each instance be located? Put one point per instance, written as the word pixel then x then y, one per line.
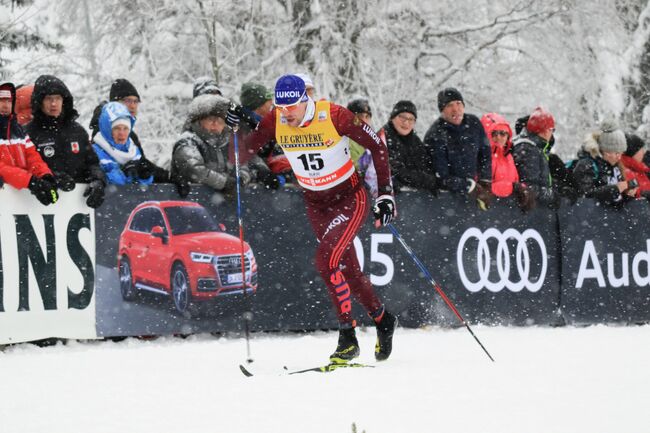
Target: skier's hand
pixel 384 210
pixel 233 116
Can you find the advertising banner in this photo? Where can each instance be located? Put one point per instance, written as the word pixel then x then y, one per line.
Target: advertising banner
pixel 46 268
pixel 159 272
pixel 605 263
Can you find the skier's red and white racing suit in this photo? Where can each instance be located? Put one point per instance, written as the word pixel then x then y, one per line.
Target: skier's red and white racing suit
pixel 337 203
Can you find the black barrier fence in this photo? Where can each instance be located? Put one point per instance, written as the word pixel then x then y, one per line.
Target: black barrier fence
pixel 583 264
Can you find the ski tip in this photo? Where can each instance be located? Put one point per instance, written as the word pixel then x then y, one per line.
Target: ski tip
pixel 246 372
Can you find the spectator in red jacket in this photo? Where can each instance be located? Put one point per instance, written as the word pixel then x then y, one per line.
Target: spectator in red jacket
pixel 21 165
pixel 505 178
pixel 632 159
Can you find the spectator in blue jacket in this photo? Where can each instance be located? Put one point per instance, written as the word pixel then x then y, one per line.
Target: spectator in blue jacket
pixel 461 149
pixel 118 156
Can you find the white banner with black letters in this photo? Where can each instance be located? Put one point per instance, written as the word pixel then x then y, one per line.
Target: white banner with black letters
pixel 47 267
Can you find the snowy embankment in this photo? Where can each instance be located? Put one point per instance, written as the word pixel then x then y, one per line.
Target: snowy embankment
pixel 594 379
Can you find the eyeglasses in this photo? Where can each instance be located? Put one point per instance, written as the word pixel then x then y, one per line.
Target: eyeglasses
pixel 287 108
pixel 405 118
pixel 501 133
pixel 130 101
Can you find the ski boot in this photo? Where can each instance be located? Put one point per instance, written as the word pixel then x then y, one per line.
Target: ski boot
pixel 385 329
pixel 348 347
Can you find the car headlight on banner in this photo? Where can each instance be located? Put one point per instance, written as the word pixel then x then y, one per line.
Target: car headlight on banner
pixel 201 257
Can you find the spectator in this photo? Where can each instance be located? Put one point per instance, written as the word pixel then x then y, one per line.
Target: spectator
pixel 461 151
pixel 62 142
pixel 20 164
pixel 561 177
pixel 531 155
pixel 205 86
pixel 200 155
pixel 505 179
pixel 270 168
pixel 119 157
pixel 361 156
pixel 632 159
pixel 23 103
pixel 124 92
pixel 410 160
pixel 599 173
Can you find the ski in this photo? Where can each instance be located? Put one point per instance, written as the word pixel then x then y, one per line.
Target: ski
pixel 322 369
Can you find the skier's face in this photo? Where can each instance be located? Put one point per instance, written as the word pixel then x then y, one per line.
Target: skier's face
pixel 5 106
pixel 454 112
pixel 293 114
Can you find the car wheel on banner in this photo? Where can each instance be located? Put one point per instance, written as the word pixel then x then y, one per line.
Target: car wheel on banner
pixel 180 284
pixel 129 292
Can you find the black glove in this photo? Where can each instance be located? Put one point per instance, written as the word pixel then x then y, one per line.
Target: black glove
pixel 44 190
pixel 230 185
pixel 64 181
pixel 233 116
pixel 145 168
pixel 384 210
pixel 95 194
pixel 130 169
pixel 182 186
pixel 480 191
pixel 525 197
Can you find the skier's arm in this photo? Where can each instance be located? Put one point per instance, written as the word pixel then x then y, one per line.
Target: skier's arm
pixel 346 124
pixel 264 133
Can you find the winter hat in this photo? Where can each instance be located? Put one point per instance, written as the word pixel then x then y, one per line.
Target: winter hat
pixel 111 112
pixel 360 105
pixel 51 85
pixel 121 121
pixel 404 107
pixel 121 88
pixel 634 144
pixel 254 95
pixel 6 92
pixel 611 138
pixel 448 95
pixel 309 84
pixel 208 105
pixel 539 121
pixel 290 90
pixel 205 85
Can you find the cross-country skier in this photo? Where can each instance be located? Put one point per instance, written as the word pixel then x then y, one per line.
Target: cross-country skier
pixel 314 137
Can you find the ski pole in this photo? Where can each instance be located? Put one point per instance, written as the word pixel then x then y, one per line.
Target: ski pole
pixel 436 286
pixel 247 314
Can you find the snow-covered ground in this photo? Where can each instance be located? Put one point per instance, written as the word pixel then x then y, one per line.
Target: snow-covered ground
pixel 594 379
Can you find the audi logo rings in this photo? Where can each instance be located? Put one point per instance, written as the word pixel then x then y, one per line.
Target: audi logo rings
pixel 503 257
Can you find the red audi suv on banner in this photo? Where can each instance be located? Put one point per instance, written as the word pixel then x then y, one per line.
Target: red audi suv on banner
pixel 176 248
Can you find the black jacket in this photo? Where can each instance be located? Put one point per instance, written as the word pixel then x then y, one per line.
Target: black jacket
pixel 595 178
pixel 410 160
pixel 62 142
pixel 459 152
pixel 531 153
pixel 160 175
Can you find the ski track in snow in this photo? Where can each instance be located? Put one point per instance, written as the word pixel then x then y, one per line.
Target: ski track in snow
pixel 594 379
